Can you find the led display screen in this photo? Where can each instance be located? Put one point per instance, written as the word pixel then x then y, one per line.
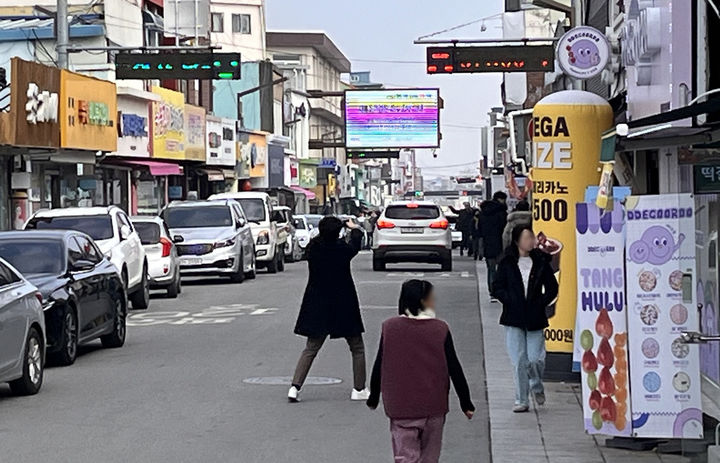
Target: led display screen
pixel 504 58
pixel 177 64
pixel 398 118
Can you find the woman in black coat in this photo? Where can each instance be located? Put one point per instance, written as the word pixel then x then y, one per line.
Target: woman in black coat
pixel 525 284
pixel 330 306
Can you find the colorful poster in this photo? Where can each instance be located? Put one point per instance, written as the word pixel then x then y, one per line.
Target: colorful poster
pixel 567 127
pixel 601 319
pixel 661 298
pixel 194 125
pixel 168 132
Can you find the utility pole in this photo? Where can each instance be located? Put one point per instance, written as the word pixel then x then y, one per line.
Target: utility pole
pixel 61 33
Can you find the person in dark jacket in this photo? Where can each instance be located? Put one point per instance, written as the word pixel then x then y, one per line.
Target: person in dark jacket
pixel 493 218
pixel 415 363
pixel 526 285
pixel 464 225
pixel 330 306
pixel 476 233
pixel 521 215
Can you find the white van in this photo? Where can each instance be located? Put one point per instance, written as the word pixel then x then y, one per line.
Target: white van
pixel 270 239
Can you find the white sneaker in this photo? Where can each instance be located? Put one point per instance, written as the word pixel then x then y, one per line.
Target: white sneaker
pixel 294 394
pixel 360 395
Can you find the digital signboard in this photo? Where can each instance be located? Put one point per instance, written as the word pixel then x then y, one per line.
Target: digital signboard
pixel 177 64
pixel 504 58
pixel 397 118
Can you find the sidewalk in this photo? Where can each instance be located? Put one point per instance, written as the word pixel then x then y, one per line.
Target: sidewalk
pixel 552 433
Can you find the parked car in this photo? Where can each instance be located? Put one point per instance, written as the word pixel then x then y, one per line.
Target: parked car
pixel 83 295
pixel 161 253
pixel 22 333
pixel 303 230
pixel 344 232
pixel 270 239
pixel 284 218
pixel 313 221
pixel 454 232
pixel 410 231
pixel 114 234
pixel 212 238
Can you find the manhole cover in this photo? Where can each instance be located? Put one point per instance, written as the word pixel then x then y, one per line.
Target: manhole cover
pixel 286 380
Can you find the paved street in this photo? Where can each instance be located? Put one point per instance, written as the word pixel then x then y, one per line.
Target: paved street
pixel 176 391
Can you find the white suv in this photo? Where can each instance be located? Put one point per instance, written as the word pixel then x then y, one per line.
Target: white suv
pixel 114 234
pixel 410 231
pixel 270 238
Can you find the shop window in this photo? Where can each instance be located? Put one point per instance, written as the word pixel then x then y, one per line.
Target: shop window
pixel 241 23
pixel 216 22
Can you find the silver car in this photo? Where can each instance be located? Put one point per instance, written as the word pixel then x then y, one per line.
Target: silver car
pixel 161 252
pixel 22 333
pixel 212 238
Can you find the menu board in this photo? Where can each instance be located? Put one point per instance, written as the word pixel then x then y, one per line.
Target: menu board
pixel 601 319
pixel 660 266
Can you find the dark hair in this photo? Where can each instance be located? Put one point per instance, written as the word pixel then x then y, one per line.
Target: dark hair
pixel 500 195
pixel 522 206
pixel 412 294
pixel 512 249
pixel 329 228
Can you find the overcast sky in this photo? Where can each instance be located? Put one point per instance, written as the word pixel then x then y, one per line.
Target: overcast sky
pixel 372 31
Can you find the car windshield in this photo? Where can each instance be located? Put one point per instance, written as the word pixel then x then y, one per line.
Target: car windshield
pixel 199 216
pixel 99 227
pixel 254 209
pixel 412 212
pixel 34 256
pixel 299 224
pixel 149 232
pixel 314 220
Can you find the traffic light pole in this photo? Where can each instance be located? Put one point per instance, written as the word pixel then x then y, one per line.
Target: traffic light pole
pixel 62 34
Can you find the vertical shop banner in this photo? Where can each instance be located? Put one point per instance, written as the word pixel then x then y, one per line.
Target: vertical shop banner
pixel 660 267
pixel 276 167
pixel 194 125
pixel 214 140
pixel 168 126
pixel 567 127
pixel 601 319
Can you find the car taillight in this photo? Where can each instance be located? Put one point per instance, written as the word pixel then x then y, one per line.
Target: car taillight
pixel 412 206
pixel 384 224
pixel 166 246
pixel 440 224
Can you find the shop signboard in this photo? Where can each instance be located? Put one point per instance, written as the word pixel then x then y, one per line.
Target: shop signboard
pixel 228 154
pixel 583 52
pixel 194 130
pixel 308 175
pixel 566 147
pixel 33 119
pixel 661 299
pixel 294 172
pixel 707 179
pixel 133 130
pixel 276 166
pixel 213 128
pixel 88 113
pixel 256 150
pixel 242 167
pixel 601 343
pixel 168 131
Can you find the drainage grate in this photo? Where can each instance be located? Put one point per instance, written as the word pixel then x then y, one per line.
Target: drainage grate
pixel 286 380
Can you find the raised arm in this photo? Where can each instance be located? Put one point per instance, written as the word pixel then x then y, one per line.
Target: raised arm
pixel 375 379
pixel 457 376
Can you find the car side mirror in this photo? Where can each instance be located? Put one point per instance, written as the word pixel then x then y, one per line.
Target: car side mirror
pixel 239 223
pixel 178 239
pixel 125 232
pixel 81 265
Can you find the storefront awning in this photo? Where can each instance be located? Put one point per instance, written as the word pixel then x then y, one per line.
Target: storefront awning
pixel 157 168
pixel 213 175
pixel 310 195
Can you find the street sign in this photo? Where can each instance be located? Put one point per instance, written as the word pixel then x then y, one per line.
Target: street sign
pixel 502 58
pixel 178 64
pixel 373 154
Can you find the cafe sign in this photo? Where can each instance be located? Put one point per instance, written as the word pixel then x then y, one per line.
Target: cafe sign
pixel 88 113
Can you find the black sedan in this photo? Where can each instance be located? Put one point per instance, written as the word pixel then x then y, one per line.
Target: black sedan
pixel 83 294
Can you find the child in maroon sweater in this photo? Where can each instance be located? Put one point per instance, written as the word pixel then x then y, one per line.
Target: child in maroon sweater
pixel 414 365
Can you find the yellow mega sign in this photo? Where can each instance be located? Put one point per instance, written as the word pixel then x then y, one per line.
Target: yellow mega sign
pixel 168 124
pixel 88 113
pixel 567 128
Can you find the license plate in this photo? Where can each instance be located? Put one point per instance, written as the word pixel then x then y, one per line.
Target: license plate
pixel 411 230
pixel 190 261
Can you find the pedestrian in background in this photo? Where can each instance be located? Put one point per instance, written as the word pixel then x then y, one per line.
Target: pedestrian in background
pixel 494 218
pixel 521 215
pixel 415 363
pixel 330 306
pixel 526 285
pixel 369 226
pixel 464 225
pixel 477 241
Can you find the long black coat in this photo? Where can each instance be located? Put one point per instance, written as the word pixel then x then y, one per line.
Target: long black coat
pixel 330 305
pixel 519 310
pixel 492 224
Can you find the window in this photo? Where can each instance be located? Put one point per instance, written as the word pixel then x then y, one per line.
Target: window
pixel 99 227
pixel 414 212
pixel 34 257
pixel 241 23
pixel 198 216
pixel 7 276
pixel 90 252
pixel 216 22
pixel 254 209
pixel 149 232
pixel 74 252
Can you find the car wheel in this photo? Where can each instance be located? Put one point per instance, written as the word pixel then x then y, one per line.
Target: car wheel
pixel 141 297
pixel 239 275
pixel 174 289
pixel 272 266
pixel 68 339
pixel 117 337
pixel 281 260
pixel 33 366
pixel 378 264
pixel 446 264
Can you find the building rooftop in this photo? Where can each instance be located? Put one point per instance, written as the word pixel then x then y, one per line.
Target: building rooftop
pixel 315 39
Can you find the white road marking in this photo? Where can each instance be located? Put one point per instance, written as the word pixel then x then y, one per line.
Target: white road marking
pixel 210 316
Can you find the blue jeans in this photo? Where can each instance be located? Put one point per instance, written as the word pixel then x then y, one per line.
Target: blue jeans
pixel 527 354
